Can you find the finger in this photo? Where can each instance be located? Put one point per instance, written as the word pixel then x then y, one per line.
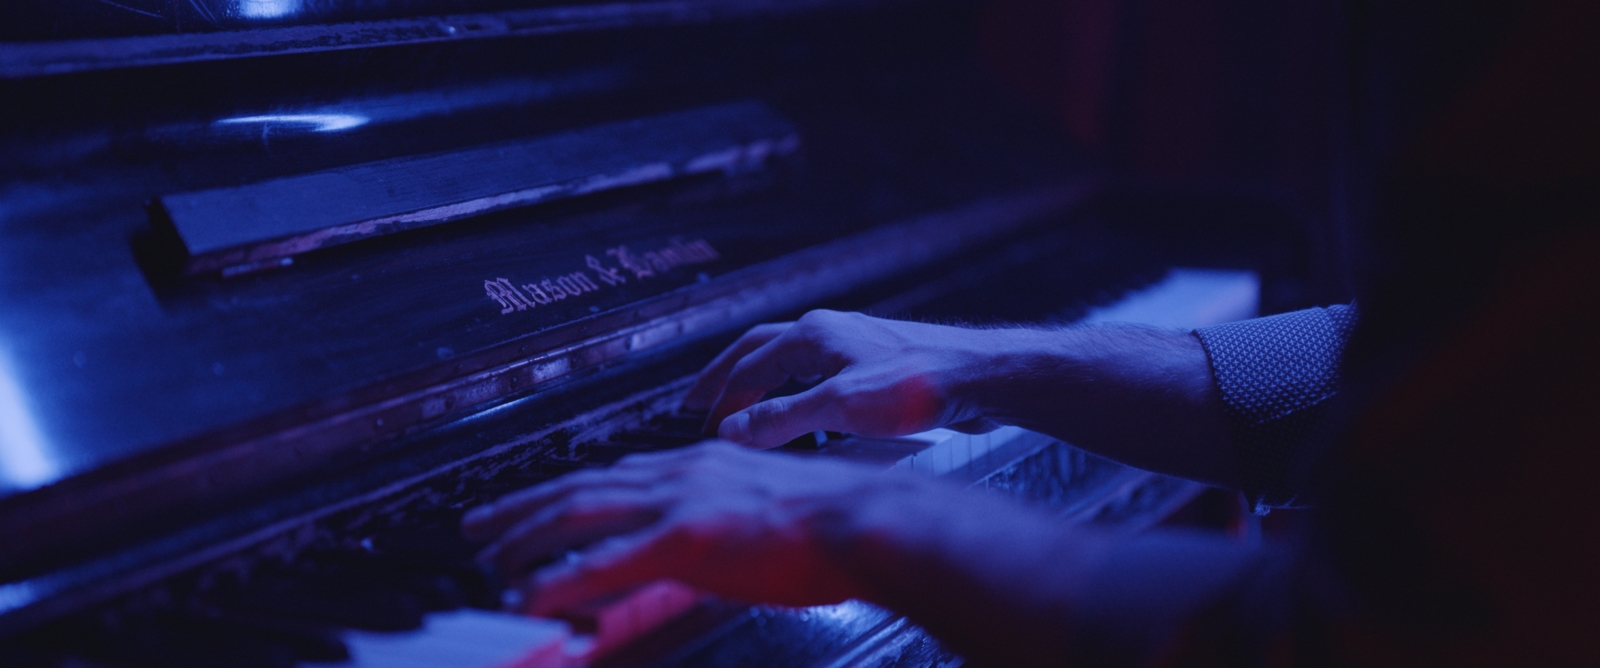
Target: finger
pixel 764 370
pixel 776 421
pixel 487 521
pixel 667 463
pixel 612 566
pixel 709 385
pixel 647 470
pixel 573 523
pixel 981 425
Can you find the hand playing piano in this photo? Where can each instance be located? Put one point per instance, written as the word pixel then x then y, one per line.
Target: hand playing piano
pixel 747 525
pixel 877 377
pixel 992 577
pixel 1139 395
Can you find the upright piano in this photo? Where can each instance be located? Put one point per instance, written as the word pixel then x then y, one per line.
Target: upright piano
pixel 286 285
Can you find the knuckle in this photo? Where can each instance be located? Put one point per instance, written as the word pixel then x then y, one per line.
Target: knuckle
pixel 552 514
pixel 771 415
pixel 832 392
pixel 816 320
pixel 756 336
pixel 508 502
pixel 584 500
pixel 753 334
pixel 744 373
pixel 591 561
pixel 580 479
pixel 850 401
pixel 769 328
pixel 555 491
pixel 740 368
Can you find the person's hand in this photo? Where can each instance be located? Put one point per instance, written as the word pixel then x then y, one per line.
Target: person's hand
pixel 748 525
pixel 877 377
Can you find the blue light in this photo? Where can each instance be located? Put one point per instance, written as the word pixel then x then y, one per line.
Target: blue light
pixel 266 9
pixel 25 460
pixel 309 122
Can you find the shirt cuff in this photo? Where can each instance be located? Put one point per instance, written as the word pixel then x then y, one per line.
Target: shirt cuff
pixel 1276 375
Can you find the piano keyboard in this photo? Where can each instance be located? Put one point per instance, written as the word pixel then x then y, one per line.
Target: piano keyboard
pixel 463 638
pixel 402 589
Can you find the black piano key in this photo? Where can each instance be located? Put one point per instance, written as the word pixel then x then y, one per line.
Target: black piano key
pixel 495 489
pixel 23 656
pixel 657 439
pixel 442 515
pixel 472 584
pixel 322 600
pixel 812 441
pixel 553 467
pixel 431 581
pixel 480 586
pixel 439 540
pixel 609 453
pixel 309 642
pixel 439 548
pixel 445 581
pixel 157 642
pixel 681 421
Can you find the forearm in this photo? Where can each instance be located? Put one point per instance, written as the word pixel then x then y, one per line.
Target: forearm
pixel 1006 586
pixel 1141 396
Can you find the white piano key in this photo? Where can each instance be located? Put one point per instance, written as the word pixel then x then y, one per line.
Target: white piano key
pixel 462 639
pixel 1187 298
pixel 947 451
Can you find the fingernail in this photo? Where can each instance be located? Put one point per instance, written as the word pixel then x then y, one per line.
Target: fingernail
pixel 536 584
pixel 513 600
pixel 736 428
pixel 477 515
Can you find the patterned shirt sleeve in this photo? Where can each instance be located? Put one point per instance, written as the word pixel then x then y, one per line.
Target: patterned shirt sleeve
pixel 1276 376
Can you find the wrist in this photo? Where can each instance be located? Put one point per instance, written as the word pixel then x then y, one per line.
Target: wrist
pixel 1014 370
pixel 873 535
pixel 954 561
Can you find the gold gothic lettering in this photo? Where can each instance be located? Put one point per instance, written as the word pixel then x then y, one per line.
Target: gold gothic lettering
pixel 513 297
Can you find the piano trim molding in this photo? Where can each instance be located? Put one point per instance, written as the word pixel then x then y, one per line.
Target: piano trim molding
pixel 20 60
